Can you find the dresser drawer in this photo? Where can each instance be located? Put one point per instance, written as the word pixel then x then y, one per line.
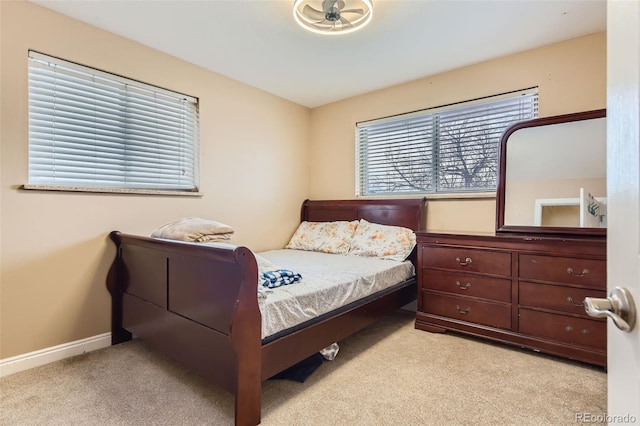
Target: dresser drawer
pixel 566 299
pixel 592 273
pixel 466 260
pixel 498 289
pixel 566 329
pixel 467 309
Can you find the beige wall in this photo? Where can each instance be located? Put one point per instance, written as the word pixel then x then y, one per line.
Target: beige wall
pixel 570 76
pixel 54 249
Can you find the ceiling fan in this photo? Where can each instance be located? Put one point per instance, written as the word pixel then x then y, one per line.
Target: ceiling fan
pixel 333 16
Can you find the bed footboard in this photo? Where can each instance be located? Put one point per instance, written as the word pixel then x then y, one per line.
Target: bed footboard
pixel 195 303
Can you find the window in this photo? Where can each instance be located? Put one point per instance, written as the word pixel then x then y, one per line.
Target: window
pixel 450 149
pixel 91 130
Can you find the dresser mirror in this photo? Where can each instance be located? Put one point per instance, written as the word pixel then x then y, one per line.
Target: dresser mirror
pixel 552 176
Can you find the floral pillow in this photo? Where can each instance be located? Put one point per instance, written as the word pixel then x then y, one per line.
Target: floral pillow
pixel 326 237
pixel 383 241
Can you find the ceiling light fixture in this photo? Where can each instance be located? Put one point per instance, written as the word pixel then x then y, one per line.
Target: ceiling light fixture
pixel 332 17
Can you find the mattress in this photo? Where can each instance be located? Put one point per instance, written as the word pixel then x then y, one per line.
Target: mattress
pixel 329 281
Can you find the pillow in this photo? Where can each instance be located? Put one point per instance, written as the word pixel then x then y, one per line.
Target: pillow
pixel 326 237
pixel 383 241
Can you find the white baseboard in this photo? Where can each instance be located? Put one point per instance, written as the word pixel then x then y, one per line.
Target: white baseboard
pixel 54 353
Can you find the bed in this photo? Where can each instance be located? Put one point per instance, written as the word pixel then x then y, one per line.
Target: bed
pixel 198 303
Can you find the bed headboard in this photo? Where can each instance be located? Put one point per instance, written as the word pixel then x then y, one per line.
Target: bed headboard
pixel 410 212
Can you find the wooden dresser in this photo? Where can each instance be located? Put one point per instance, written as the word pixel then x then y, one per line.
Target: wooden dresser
pixel 521 290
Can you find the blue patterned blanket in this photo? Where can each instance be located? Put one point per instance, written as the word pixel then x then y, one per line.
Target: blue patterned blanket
pixel 279 277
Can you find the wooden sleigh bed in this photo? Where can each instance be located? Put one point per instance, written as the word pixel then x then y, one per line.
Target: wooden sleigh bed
pixel 198 304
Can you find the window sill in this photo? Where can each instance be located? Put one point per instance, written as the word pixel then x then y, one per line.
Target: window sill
pixel 110 190
pixel 464 196
pixel 450 196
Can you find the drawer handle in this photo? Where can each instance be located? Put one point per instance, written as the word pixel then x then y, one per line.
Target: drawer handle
pixel 466 262
pixel 584 272
pixel 463 312
pixel 467 286
pixel 585 331
pixel 570 300
pixel 568 329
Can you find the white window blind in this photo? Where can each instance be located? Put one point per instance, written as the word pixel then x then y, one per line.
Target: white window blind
pixel 450 149
pixel 92 129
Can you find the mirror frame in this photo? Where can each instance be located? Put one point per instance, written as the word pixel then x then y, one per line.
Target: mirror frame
pixel 501 228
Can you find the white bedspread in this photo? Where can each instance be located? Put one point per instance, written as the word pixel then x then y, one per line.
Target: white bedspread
pixel 329 281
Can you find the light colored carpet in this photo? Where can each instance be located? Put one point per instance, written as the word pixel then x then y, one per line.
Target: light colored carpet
pixel 387 374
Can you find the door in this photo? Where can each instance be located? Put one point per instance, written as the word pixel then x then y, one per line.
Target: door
pixel 623 202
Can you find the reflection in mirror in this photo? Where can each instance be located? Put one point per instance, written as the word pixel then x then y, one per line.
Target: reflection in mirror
pixel 547 167
pixel 554 175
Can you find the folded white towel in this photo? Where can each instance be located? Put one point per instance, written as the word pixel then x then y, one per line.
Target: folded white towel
pixel 194 229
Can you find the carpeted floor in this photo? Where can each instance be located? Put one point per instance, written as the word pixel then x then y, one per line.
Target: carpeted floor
pixel 387 374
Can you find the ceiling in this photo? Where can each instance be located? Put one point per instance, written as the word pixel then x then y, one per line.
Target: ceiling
pixel 258 42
